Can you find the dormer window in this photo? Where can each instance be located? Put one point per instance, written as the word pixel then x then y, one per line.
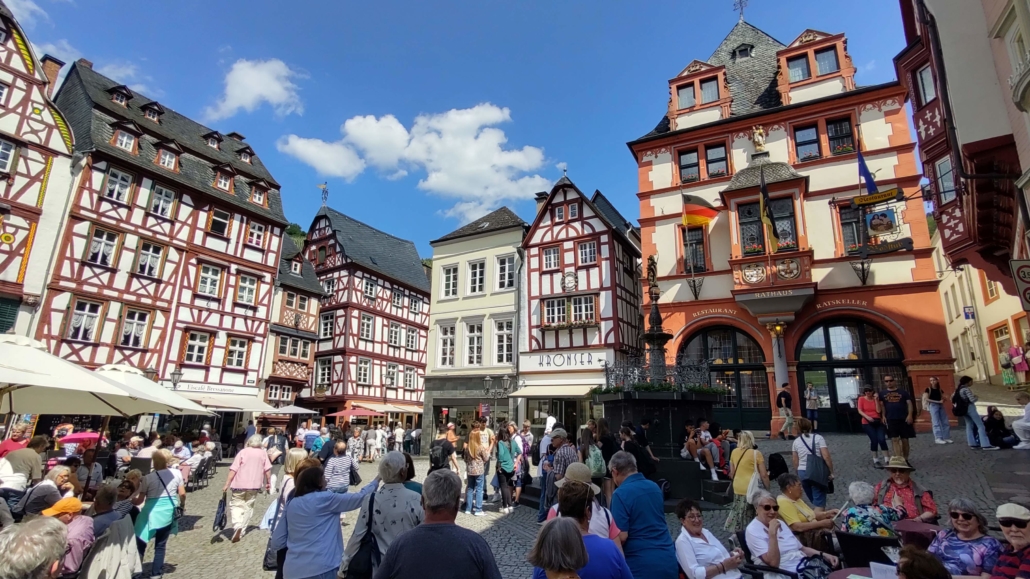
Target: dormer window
pixel 120 98
pixel 212 142
pixel 799 69
pixel 743 51
pixel 685 96
pixel 257 196
pixel 709 90
pixel 166 159
pixel 223 181
pixel 125 140
pixel 151 114
pixel 826 61
pixel 295 267
pixel 245 156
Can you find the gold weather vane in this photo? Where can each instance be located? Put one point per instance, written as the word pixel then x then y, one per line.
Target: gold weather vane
pixel 325 192
pixel 740 5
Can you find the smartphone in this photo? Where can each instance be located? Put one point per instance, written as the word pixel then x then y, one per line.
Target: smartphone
pixel 840 511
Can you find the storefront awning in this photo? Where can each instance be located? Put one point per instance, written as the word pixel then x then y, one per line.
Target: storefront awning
pixel 570 391
pixel 408 408
pixel 229 403
pixel 376 406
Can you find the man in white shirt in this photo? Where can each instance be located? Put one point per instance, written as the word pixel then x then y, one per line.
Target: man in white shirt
pixel 416 441
pixel 300 434
pixel 1022 426
pixel 398 437
pixel 380 440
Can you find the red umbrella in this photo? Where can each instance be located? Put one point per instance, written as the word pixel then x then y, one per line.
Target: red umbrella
pixel 355 412
pixel 79 437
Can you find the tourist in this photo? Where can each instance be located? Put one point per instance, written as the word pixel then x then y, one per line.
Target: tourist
pixel 918 504
pixel 148 451
pixel 310 529
pixel 193 462
pixel 744 461
pixel 640 435
pixel 804 446
pixel 602 523
pixel 398 436
pixel 1021 426
pixel 54 486
pixel 784 403
pixel 522 464
pixel 708 447
pixel 812 406
pixel 275 445
pixel 770 540
pixel 409 477
pixel 104 514
pixel 160 492
pixel 976 432
pixel 33 550
pixel 476 455
pixel 699 553
pixel 323 436
pixel 356 444
pixel 181 451
pixel 898 410
pixel 915 563
pixel 452 436
pixel 811 527
pixel 872 423
pixel 249 474
pixel 868 518
pixel 300 434
pixel 25 469
pixel 638 509
pixel 291 465
pixel 337 469
pixel 561 551
pixel 507 454
pixel 74 463
pixel 933 401
pixel 396 510
pixel 380 432
pixel 251 430
pixel 966 548
pixel 998 433
pixel 546 478
pixel 90 474
pixel 1015 559
pixel 441 453
pixel 645 465
pixel 123 504
pixel 371 441
pixel 17 441
pixel 80 532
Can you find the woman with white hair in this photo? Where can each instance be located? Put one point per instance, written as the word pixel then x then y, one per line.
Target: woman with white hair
pixel 772 543
pixel 966 548
pixel 868 518
pixel 396 510
pixel 181 451
pixel 54 486
pixel 249 474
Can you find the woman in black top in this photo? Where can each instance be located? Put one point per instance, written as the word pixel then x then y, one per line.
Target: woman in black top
pixel 645 465
pixel 933 400
pixel 607 442
pixel 999 434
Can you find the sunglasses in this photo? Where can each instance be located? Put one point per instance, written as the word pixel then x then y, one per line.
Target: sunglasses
pixel 1017 523
pixel 965 516
pixel 770 507
pixel 896 470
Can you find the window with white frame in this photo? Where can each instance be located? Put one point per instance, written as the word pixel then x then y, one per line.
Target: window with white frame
pixel 119 98
pixel 210 280
pixel 134 328
pixel 554 311
pixel 151 114
pixel 414 304
pixel 291 300
pixel 552 258
pixel 503 339
pixel 559 213
pixel 85 320
pixel 101 248
pixel 325 328
pixel 149 261
pixel 197 345
pixel 992 289
pixel 3 87
pixel 212 142
pixel 256 234
pixel 411 338
pixel 583 309
pixel 287 393
pixel 125 141
pixel 294 347
pixel 118 185
pixel 325 371
pixel 506 272
pixel 573 210
pixel 273 391
pixel 364 371
pixel 370 288
pixel 945 178
pixel 246 291
pixel 409 378
pixel 223 181
pixel 236 353
pixel 391 374
pixel 394 336
pixel 245 156
pixel 161 201
pixel 446 345
pixel 397 298
pixel 219 222
pixel 477 275
pixel 588 253
pixel 166 159
pixel 6 152
pixel 450 281
pixel 257 195
pixel 924 81
pixel 305 349
pixel 284 346
pixel 296 267
pixel 366 331
pixel 302 303
pixel 329 285
pixel 474 344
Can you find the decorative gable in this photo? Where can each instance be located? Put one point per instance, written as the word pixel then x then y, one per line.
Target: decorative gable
pixel 694 67
pixel 170 145
pixel 153 111
pixel 809 36
pixel 128 127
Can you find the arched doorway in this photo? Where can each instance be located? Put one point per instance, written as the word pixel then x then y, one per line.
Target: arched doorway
pixel 838 358
pixel 738 363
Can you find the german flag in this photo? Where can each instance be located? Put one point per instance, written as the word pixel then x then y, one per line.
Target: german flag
pixel 697 211
pixel 765 210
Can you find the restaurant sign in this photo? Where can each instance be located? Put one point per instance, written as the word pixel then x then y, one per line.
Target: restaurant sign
pixel 894 194
pixel 564 360
pixel 884 247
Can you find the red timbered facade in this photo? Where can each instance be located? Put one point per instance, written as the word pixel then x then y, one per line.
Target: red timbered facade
pixel 171 250
pixel 35 174
pixel 374 319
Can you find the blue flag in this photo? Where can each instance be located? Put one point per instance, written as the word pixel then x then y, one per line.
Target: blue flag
pixel 863 172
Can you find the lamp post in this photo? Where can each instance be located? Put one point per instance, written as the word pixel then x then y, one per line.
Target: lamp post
pixel 151 374
pixel 176 376
pixel 500 390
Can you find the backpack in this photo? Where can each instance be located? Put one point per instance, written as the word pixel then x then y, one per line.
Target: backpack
pixel 596 462
pixel 959 406
pixel 309 439
pixel 436 457
pixel 534 454
pixel 777 465
pixel 1005 360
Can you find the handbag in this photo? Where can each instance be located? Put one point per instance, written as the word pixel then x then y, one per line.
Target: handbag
pixel 220 519
pixel 814 567
pixel 1017 360
pixel 816 470
pixel 179 510
pixel 755 484
pixel 355 478
pixel 367 557
pixel 270 563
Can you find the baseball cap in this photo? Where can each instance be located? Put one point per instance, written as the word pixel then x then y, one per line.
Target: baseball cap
pixel 450 425
pixel 1013 511
pixel 559 433
pixel 66 506
pixel 578 472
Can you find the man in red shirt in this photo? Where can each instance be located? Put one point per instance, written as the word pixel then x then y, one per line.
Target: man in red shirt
pixel 17 441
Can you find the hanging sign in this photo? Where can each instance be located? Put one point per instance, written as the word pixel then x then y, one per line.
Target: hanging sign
pixel 1021 273
pixel 894 194
pixel 905 243
pixel 969 313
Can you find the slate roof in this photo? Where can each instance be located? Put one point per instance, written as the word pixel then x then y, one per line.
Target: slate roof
pixel 307 280
pixel 381 252
pixel 288 331
pixel 750 176
pixel 610 214
pixel 86 103
pixel 498 220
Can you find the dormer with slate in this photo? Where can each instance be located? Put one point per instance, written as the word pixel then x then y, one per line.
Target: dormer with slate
pixel 167 155
pixel 125 136
pixel 699 95
pixel 153 111
pixel 245 154
pixel 236 136
pixel 815 65
pixel 120 95
pixel 213 139
pixel 225 177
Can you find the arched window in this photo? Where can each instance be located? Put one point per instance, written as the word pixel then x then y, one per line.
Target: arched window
pixel 736 362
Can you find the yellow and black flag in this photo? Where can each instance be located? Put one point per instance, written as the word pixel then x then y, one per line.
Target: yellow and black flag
pixel 765 211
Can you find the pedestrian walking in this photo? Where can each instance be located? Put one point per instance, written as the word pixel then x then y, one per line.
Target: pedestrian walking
pixel 812 406
pixel 249 473
pixel 441 453
pixel 1021 426
pixel 476 455
pixel 872 423
pixel 337 469
pixel 898 410
pixel 370 444
pixel 745 462
pixel 356 445
pixel 805 446
pixel 933 401
pixel 784 402
pixel 638 509
pixel 507 453
pixel 160 492
pixel 976 432
pixel 275 445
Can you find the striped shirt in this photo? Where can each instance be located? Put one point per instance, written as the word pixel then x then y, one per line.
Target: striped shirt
pixel 337 471
pixel 563 457
pixel 1012 564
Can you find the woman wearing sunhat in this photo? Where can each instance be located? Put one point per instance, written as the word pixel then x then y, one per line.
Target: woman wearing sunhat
pixel 1014 559
pixel 918 504
pixel 602 523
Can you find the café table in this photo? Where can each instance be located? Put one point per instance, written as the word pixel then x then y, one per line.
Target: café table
pixel 916 533
pixel 845 573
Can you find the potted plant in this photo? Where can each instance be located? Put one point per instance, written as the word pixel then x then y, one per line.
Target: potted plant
pixel 753 248
pixel 787 245
pixel 843 149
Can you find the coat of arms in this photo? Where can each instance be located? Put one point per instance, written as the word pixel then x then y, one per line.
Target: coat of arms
pixel 788 269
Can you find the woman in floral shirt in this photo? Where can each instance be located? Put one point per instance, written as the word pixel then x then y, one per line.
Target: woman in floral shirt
pixel 966 549
pixel 868 519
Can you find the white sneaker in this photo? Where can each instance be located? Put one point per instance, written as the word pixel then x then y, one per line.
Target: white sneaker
pixel 715 475
pixel 941 441
pixel 1022 446
pixel 949 441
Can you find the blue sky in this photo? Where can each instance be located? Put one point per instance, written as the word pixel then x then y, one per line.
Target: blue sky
pixel 422 115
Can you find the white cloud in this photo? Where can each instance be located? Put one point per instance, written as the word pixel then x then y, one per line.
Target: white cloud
pixel 462 153
pixel 61 50
pixel 562 166
pixel 250 83
pixel 130 75
pixel 869 66
pixel 27 12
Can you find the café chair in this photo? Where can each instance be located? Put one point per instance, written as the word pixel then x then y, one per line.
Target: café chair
pixel 860 550
pixel 756 571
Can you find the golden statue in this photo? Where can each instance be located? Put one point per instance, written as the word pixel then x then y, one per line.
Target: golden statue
pixel 758 136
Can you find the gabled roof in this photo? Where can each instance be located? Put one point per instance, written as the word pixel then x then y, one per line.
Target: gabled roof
pixel 376 250
pixel 307 280
pixel 601 207
pixel 750 176
pixel 809 35
pixel 499 220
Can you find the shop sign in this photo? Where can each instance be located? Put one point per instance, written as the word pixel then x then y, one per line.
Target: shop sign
pixel 1021 273
pixel 969 313
pixel 839 303
pixel 216 389
pixel 884 247
pixel 484 409
pixel 894 194
pixel 708 312
pixel 576 360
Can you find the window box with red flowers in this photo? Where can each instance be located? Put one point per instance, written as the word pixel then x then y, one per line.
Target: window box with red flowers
pixel 787 245
pixel 717 173
pixel 810 156
pixel 843 149
pixel 853 247
pixel 753 249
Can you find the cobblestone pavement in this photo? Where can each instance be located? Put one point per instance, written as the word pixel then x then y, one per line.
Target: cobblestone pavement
pixel 949 471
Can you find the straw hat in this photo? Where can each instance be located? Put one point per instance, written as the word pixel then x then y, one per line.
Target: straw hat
pixel 578 472
pixel 899 462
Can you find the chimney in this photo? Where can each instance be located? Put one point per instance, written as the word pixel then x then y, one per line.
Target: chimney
pixel 541 198
pixel 84 62
pixel 236 136
pixel 51 66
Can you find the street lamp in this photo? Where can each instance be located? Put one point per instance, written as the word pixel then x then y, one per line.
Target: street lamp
pixel 176 377
pixel 497 391
pixel 151 374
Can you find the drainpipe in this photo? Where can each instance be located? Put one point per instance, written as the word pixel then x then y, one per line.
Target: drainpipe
pixel 980 341
pixel 521 256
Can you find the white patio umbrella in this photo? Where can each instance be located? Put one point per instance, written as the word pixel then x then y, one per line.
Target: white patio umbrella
pixel 34 381
pixel 292 410
pixel 126 375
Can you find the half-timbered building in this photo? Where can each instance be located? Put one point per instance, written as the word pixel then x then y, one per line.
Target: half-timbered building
pixel 374 319
pixel 35 174
pixel 170 253
pixel 582 302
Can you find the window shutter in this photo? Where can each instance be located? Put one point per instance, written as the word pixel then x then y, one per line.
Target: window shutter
pixel 8 313
pixel 67 316
pixel 15 157
pixel 118 329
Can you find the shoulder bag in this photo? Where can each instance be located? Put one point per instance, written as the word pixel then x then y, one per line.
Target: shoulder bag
pixel 728 494
pixel 355 478
pixel 755 484
pixel 179 509
pixel 816 469
pixel 366 559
